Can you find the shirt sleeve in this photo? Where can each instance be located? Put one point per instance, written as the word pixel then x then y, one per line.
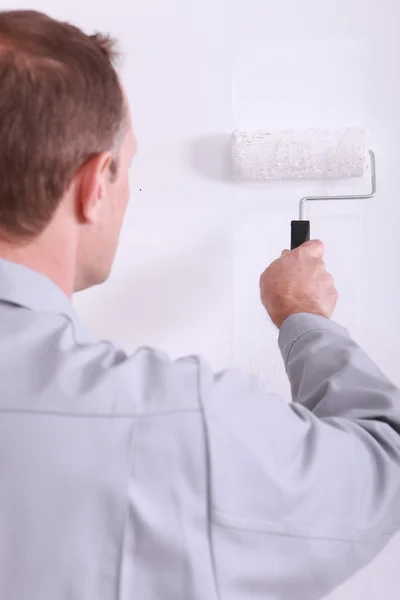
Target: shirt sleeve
pixel 303 494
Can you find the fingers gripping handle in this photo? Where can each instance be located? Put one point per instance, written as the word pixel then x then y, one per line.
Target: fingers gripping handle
pixel 300 233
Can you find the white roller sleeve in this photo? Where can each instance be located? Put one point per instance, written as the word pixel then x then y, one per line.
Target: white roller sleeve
pixel 300 154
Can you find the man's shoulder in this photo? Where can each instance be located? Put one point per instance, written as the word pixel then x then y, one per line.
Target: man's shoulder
pixel 51 362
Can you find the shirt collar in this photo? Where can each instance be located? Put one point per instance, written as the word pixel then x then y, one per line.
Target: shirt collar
pixel 24 287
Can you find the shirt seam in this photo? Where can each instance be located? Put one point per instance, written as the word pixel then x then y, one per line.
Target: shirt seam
pixel 77 415
pixel 223 519
pixel 209 498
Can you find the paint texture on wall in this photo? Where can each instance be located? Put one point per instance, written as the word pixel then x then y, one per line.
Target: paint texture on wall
pixel 290 85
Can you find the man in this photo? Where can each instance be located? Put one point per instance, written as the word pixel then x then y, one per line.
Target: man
pixel 135 477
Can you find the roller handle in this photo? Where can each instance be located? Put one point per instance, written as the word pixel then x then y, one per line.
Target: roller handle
pixel 300 233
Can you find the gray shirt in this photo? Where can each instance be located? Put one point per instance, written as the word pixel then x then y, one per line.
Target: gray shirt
pixel 137 477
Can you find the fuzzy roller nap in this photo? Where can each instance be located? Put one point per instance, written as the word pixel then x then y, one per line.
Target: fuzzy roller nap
pixel 304 154
pixel 300 154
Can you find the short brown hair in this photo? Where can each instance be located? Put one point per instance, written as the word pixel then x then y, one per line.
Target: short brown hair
pixel 60 104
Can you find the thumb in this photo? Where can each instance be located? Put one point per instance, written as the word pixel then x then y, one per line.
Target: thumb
pixel 314 248
pixel 285 252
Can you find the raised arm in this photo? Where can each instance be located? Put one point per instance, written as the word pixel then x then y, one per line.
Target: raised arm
pixel 303 494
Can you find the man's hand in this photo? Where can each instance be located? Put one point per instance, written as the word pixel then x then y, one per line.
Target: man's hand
pixel 298 283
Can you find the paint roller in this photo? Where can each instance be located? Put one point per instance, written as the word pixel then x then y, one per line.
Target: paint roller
pixel 304 154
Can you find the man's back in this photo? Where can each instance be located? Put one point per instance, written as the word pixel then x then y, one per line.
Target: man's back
pixel 137 477
pixel 103 470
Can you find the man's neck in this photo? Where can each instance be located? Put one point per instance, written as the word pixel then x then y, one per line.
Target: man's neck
pixel 50 254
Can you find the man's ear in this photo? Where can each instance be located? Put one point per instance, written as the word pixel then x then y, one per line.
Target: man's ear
pixel 93 180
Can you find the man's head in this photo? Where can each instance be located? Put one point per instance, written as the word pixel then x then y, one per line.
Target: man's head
pixel 66 140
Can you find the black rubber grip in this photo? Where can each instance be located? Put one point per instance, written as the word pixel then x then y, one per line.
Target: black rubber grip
pixel 300 233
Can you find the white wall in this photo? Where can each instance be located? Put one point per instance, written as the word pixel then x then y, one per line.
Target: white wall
pixel 194 242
